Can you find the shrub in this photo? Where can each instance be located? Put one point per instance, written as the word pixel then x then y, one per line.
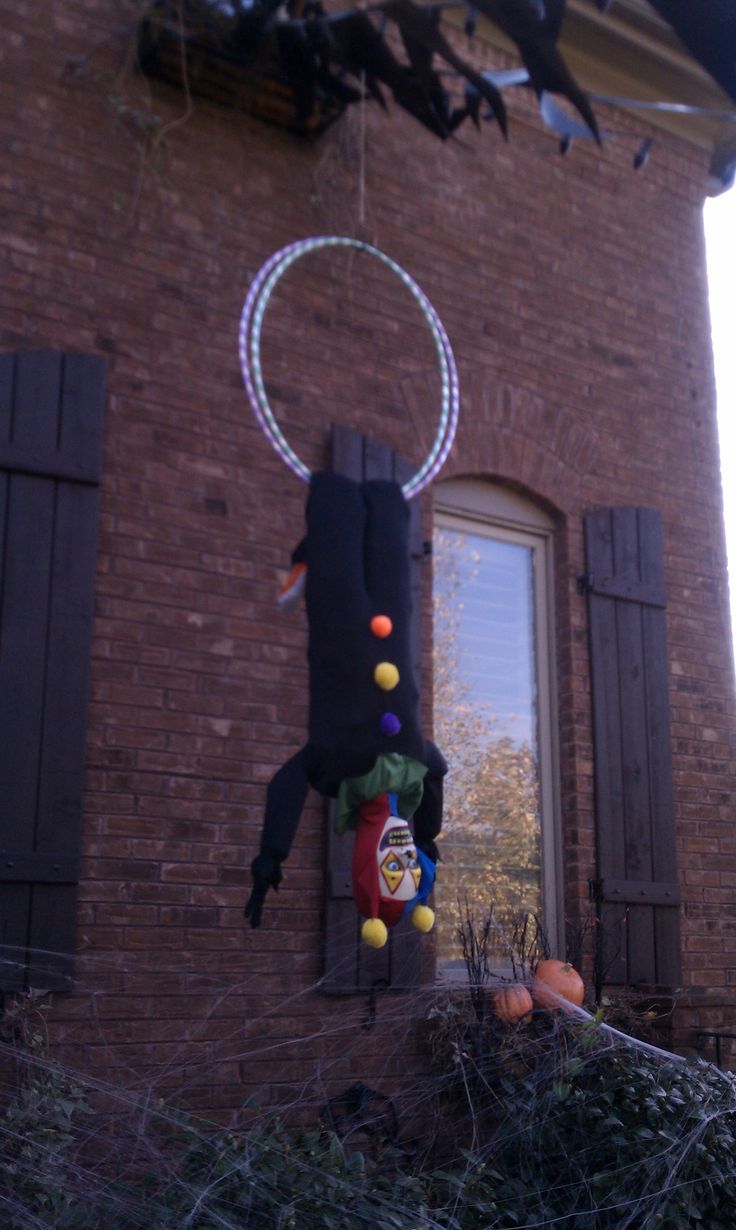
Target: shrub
pixel 554 1122
pixel 572 1126
pixel 39 1124
pixel 278 1178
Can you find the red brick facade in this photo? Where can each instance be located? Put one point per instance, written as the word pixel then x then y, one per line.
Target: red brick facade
pixel 574 294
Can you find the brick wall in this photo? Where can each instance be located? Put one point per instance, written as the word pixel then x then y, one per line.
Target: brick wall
pixel 574 294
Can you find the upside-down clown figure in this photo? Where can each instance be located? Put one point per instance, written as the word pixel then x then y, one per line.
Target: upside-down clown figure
pixel 365 748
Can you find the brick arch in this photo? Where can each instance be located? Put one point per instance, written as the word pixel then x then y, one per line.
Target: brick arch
pixel 509 434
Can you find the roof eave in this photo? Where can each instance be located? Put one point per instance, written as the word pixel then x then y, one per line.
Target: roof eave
pixel 630 52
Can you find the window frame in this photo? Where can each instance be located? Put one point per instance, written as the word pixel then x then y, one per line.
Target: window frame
pixel 484 507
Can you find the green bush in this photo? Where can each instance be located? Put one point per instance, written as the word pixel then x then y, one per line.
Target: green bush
pixel 555 1122
pixel 39 1128
pixel 278 1178
pixel 571 1126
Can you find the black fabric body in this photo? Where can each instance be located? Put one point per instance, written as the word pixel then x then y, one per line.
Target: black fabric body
pixel 358 566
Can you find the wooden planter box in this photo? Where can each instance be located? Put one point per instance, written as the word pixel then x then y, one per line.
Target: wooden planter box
pixel 256 85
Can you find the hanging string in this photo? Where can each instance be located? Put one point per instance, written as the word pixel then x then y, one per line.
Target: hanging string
pixel 361 171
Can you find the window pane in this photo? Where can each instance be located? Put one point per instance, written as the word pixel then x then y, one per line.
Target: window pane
pixel 485 713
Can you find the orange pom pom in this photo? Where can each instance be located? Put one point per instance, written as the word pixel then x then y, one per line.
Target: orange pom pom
pixel 381 626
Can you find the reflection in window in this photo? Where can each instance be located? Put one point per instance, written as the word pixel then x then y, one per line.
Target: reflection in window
pixel 486 715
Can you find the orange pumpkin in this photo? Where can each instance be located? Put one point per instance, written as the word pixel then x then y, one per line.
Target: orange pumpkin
pixel 512 1003
pixel 556 983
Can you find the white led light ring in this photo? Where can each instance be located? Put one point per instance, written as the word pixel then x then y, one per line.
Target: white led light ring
pixel 251 323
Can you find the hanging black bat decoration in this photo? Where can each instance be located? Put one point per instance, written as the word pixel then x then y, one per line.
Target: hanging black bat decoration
pixel 320 50
pixel 534 25
pixel 423 39
pixel 344 57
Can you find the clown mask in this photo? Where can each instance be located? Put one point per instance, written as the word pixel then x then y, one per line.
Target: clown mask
pixel 399 870
pixel 391 877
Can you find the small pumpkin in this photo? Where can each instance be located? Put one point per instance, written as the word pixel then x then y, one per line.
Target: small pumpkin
pixel 557 983
pixel 512 1003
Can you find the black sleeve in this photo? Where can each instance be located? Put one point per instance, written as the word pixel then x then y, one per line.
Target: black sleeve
pixel 285 799
pixel 428 816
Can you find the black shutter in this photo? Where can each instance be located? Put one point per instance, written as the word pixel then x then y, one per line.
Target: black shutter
pixel 51 409
pixel 636 888
pixel 350 965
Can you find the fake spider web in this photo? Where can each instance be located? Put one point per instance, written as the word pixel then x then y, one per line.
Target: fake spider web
pixel 164 1093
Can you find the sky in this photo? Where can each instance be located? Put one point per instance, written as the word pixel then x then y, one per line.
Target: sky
pixel 720 233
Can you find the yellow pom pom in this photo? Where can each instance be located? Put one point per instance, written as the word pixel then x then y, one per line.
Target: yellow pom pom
pixel 386 676
pixel 374 932
pixel 422 918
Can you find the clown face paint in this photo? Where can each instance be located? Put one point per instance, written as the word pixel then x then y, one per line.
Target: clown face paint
pixel 398 870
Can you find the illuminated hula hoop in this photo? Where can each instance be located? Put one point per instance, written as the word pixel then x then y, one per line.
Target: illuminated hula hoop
pixel 251 324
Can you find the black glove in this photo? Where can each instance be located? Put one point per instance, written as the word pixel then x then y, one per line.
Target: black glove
pixel 428 847
pixel 266 872
pixel 428 816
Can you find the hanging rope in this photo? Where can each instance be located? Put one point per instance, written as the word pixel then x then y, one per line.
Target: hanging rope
pixel 361 173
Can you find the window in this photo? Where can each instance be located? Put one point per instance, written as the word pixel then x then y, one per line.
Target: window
pixel 493 710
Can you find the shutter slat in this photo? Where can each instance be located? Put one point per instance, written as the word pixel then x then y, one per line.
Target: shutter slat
pixel 7 382
pixel 347 452
pixel 4 497
pixel 38 400
pixel 23 624
pixel 51 936
pixel 25 460
pixel 635 781
pixel 67 669
pixel 339 877
pixel 55 867
pixel 660 768
pixel 639 892
pixel 15 907
pixel 82 397
pixel 50 415
pixel 628 591
pixel 378 461
pixel 666 922
pixel 608 753
pixel 637 884
pixel 342 942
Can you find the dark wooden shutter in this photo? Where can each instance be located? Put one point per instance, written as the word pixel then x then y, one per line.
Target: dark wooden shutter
pixel 51 408
pixel 350 965
pixel 636 888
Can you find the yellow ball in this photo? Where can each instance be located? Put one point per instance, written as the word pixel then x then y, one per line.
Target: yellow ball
pixel 386 676
pixel 374 932
pixel 422 918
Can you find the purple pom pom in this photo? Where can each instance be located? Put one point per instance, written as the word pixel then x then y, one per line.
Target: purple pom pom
pixel 389 724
